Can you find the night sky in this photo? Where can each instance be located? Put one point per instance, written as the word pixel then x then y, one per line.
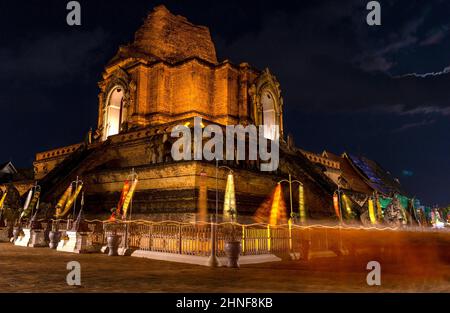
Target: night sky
pixel 380 91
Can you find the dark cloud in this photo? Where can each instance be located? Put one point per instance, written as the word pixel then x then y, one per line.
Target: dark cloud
pixel 414 125
pixel 435 37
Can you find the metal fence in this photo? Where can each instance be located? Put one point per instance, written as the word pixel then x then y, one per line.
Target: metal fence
pixel 195 239
pixel 255 239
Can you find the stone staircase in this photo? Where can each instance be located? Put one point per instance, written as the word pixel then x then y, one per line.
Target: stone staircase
pixel 56 181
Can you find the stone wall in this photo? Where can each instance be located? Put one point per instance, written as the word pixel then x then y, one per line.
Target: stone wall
pixel 173 38
pixel 48 160
pixel 174 188
pixel 165 93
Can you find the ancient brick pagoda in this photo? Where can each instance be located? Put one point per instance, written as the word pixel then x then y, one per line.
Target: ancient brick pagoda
pixel 167 76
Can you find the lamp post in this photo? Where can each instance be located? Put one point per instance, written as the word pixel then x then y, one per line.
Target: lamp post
pixel 213 261
pixel 77 181
pixel 290 182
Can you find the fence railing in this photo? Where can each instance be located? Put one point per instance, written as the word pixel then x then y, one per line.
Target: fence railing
pixel 256 239
pixel 195 239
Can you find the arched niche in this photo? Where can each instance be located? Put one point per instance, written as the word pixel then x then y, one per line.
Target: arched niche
pixel 267 105
pixel 269 114
pixel 115 112
pixel 116 104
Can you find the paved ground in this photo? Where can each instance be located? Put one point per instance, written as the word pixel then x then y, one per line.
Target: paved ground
pixel 44 270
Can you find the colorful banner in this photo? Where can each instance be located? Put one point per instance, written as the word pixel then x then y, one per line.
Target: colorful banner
pixel 128 198
pixel 372 216
pixel 273 209
pixel 27 200
pixel 404 206
pixel 301 203
pixel 62 201
pixel 278 208
pixel 30 204
pixel 73 198
pixel 34 201
pixel 336 205
pixel 125 189
pixel 70 201
pixel 379 209
pixel 2 200
pixel 347 205
pixel 384 202
pixel 123 195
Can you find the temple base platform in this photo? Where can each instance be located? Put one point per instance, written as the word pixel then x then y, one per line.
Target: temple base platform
pixel 76 242
pixel 24 238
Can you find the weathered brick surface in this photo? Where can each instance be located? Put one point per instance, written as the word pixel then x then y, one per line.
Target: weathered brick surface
pixel 173 38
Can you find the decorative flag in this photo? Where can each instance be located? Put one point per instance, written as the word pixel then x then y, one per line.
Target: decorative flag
pixel 73 198
pixel 384 202
pixel 229 206
pixel 62 201
pixel 379 209
pixel 301 203
pixel 273 209
pixel 412 210
pixel 402 204
pixel 126 188
pixel 123 195
pixel 70 201
pixel 278 209
pixel 128 198
pixel 372 216
pixel 336 205
pixel 27 201
pixel 30 204
pixel 348 204
pixel 2 200
pixel 34 201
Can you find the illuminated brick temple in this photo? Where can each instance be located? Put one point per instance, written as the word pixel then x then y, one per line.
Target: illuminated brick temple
pixel 167 76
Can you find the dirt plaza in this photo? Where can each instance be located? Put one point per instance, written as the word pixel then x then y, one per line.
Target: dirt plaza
pixel 44 270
